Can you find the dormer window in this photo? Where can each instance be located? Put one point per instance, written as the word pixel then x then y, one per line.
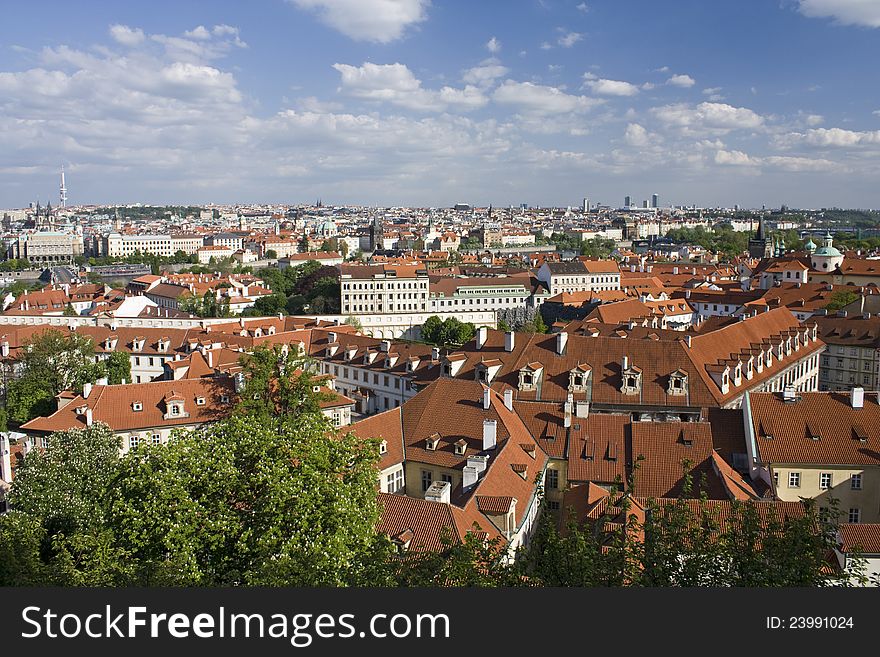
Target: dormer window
pixel 677 383
pixel 383 447
pixel 632 381
pixel 737 374
pixel 175 409
pixel 461 447
pixel 224 399
pixel 200 401
pixel 432 441
pixel 137 406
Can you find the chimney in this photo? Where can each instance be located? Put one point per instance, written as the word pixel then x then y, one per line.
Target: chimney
pixel 624 363
pixel 331 337
pixel 87 390
pixel 469 476
pixel 508 399
pixel 88 417
pixel 27 446
pixel 482 334
pixel 857 397
pixel 561 341
pixel 582 409
pixel 210 355
pixel 687 341
pixel 385 346
pixel 5 460
pixel 675 271
pixel 435 353
pixel 439 491
pixel 490 433
pixel 103 381
pixel 509 340
pixel 487 399
pixel 4 348
pixel 478 463
pixel 567 415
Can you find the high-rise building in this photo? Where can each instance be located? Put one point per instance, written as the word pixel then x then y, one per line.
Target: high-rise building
pixel 655 200
pixel 645 203
pixel 586 205
pixel 627 201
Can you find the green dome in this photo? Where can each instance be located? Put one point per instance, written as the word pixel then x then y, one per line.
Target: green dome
pixel 828 251
pixel 810 245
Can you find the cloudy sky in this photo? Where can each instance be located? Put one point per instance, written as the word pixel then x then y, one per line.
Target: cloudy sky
pixel 418 102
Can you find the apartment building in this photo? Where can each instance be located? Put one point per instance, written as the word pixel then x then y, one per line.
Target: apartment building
pixel 579 276
pixel 449 294
pixel 139 415
pixel 383 289
pixel 853 354
pixel 117 245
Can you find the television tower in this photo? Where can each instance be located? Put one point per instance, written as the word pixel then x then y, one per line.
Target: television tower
pixel 63 190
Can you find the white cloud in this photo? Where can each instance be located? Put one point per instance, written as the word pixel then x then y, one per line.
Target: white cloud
pixel 568 39
pixel 485 74
pixel 381 21
pixel 583 7
pixel 199 44
pixel 830 138
pixel 681 80
pixel 610 87
pixel 792 164
pixel 546 46
pixel 814 119
pixel 539 99
pixel 708 118
pixel 845 12
pixel 636 135
pixel 713 93
pixel 126 35
pixel 734 158
pixel 396 84
pixel 494 45
pixel 201 33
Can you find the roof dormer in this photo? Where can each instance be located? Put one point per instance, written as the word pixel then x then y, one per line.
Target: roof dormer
pixel 390 360
pixel 530 376
pixel 451 364
pixel 487 370
pixel 174 406
pixel 370 356
pixel 351 352
pixel 432 441
pixel 678 383
pixel 579 378
pixel 110 342
pixel 163 344
pixel 138 343
pixel 412 364
pixel 332 348
pixel 631 378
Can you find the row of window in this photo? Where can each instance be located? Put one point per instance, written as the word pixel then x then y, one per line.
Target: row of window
pixel 826 480
pixel 428 479
pixel 134 440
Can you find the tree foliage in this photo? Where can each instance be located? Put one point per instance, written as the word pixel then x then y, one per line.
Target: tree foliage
pixel 270 495
pixel 450 331
pixel 48 363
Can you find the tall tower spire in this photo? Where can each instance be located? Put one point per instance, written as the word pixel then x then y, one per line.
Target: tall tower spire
pixel 63 190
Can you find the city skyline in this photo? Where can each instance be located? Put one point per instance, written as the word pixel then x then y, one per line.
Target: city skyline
pixel 409 102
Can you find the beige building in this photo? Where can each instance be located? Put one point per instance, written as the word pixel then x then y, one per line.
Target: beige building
pixel 383 289
pixel 47 247
pixel 823 446
pixel 117 245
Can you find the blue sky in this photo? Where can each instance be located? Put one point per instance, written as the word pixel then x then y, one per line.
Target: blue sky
pixel 410 102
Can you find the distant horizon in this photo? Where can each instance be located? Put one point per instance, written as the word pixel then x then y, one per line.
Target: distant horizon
pixel 537 101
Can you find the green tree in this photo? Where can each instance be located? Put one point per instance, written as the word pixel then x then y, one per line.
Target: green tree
pixel 118 367
pixel 69 311
pixel 57 525
pixel 841 298
pixel 48 363
pixel 272 254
